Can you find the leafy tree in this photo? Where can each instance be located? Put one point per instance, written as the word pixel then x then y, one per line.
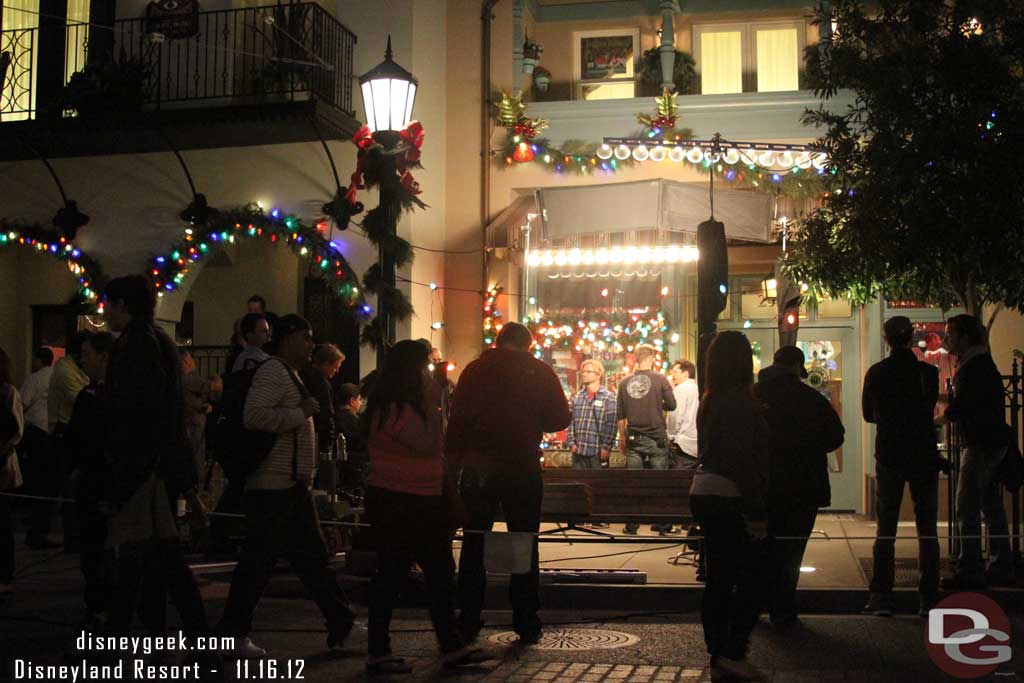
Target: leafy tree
pixel 927 199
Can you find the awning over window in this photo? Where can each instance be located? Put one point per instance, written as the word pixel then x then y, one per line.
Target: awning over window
pixel 652 205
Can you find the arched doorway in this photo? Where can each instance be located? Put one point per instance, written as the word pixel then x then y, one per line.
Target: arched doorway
pixel 233 255
pixel 48 290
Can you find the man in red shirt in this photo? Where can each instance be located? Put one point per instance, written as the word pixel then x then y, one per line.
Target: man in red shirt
pixel 504 403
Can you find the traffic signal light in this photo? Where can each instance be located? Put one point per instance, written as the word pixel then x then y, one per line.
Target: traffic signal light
pixel 712 272
pixel 789 321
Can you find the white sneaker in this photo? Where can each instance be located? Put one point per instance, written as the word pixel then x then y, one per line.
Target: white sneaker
pixel 244 649
pixel 726 668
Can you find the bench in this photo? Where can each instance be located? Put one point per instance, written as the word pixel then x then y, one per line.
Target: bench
pixel 616 495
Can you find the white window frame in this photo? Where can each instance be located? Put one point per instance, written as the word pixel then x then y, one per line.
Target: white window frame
pixel 577 58
pixel 748 44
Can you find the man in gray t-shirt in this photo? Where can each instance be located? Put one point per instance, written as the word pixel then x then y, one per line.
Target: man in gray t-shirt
pixel 642 401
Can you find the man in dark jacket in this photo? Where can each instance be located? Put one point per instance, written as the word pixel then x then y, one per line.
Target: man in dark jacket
pixel 504 403
pixel 899 397
pixel 804 429
pixel 977 407
pixel 150 466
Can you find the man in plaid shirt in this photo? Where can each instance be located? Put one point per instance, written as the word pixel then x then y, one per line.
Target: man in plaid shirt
pixel 592 432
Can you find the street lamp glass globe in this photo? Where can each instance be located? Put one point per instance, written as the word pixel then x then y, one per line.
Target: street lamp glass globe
pixel 389 93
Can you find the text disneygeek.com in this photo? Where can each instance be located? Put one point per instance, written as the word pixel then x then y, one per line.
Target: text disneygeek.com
pixel 127 658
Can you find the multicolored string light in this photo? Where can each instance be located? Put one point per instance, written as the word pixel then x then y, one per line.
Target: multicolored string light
pixel 85 269
pixel 492 316
pixel 169 270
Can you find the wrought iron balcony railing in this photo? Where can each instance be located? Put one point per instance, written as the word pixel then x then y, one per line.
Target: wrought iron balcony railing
pixel 238 56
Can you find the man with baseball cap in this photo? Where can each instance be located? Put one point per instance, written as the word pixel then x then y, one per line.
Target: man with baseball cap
pixel 899 397
pixel 280 515
pixel 804 429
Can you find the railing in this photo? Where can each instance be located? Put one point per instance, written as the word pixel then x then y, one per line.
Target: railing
pixel 240 56
pixel 210 360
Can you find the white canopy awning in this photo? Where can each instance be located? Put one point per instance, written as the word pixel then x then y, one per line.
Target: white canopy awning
pixel 652 205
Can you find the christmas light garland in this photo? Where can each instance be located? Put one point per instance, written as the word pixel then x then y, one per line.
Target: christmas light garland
pixel 209 230
pixel 666 141
pixel 86 270
pixel 492 316
pixel 613 333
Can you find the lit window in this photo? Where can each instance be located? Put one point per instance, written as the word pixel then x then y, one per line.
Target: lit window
pixel 732 58
pixel 778 60
pixel 721 58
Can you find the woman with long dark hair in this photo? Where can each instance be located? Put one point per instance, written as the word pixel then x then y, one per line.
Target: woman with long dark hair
pixel 406 507
pixel 727 498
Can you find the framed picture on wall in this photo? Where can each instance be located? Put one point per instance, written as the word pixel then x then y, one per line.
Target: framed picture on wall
pixel 605 57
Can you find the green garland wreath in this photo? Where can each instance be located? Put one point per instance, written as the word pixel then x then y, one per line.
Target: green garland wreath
pixel 86 269
pixel 208 230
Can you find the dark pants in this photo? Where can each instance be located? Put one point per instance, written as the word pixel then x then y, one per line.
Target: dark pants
pixel 93 560
pixel 924 490
pixel 406 529
pixel 644 453
pixel 796 521
pixel 230 502
pixel 282 524
pixel 681 460
pixel 44 476
pixel 520 497
pixel 978 493
pixel 735 586
pixel 163 566
pixel 6 540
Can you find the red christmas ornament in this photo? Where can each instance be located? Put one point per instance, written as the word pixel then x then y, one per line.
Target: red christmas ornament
pixel 523 153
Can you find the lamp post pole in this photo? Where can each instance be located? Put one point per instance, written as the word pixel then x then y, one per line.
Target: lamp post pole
pixel 389 202
pixel 389 93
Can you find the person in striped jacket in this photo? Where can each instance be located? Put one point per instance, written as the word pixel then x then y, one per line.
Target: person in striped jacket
pixel 280 514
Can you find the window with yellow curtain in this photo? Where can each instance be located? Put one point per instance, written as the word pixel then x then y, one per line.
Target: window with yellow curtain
pixel 77 37
pixel 778 60
pixel 20 17
pixel 721 62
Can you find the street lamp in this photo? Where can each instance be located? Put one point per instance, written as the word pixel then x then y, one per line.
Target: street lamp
pixel 389 93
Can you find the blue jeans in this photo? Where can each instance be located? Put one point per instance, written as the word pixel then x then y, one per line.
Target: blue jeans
pixel 643 453
pixel 586 462
pixel 979 492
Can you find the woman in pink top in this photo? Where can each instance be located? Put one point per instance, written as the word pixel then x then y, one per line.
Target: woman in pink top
pixel 405 506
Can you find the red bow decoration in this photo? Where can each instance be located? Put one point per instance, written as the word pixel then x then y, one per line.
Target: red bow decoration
pixel 412 137
pixel 408 154
pixel 363 138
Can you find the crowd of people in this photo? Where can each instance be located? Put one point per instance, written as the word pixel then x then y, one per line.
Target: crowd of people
pixel 119 424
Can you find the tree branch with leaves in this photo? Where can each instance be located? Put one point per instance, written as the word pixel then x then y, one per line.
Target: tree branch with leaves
pixel 930 204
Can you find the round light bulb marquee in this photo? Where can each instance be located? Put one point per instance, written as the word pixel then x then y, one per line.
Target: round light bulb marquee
pixel 547 258
pixel 777 158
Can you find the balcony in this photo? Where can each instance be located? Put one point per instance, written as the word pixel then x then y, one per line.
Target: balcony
pixel 769 116
pixel 280 73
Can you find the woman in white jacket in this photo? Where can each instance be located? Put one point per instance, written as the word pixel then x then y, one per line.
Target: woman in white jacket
pixel 12 425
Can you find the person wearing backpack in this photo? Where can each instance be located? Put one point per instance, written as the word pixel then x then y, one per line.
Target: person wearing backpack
pixel 281 518
pixel 12 425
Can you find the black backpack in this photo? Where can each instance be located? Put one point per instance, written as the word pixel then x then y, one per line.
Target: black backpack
pixel 238 450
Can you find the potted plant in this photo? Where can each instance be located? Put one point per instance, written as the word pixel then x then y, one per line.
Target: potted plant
pixel 541 78
pixel 107 87
pixel 531 55
pixel 648 73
